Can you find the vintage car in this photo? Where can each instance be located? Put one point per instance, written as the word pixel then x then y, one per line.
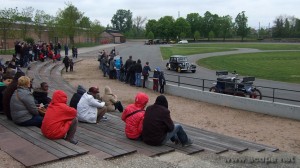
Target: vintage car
pixel 180 63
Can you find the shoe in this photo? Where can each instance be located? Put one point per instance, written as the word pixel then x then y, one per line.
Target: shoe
pixel 104 118
pixel 188 143
pixel 73 141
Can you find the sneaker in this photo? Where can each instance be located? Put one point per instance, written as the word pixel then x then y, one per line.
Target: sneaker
pixel 104 118
pixel 188 143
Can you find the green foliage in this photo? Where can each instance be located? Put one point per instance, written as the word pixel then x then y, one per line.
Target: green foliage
pixel 150 35
pixel 197 35
pixel 7 18
pixel 165 28
pixel 278 66
pixel 242 28
pixel 211 35
pixel 29 40
pixel 122 20
pixel 182 27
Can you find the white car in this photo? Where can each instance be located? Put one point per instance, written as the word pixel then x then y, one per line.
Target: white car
pixel 183 42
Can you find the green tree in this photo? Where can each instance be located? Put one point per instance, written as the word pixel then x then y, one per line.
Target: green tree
pixel 225 26
pixel 165 27
pixel 68 20
pixel 122 20
pixel 96 30
pixel 7 19
pixel 85 27
pixel 209 23
pixel 151 26
pixel 182 27
pixel 211 35
pixel 40 20
pixel 241 26
pixel 196 35
pixel 150 35
pixel 194 19
pixel 25 18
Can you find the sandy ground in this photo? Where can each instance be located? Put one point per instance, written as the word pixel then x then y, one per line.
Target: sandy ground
pixel 273 131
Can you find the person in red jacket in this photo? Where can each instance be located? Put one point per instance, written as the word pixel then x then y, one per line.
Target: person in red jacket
pixel 133 116
pixel 60 120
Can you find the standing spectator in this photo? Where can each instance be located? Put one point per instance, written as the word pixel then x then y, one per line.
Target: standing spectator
pixel 146 70
pixel 60 120
pixel 66 61
pixel 162 82
pixel 66 47
pixel 112 68
pixel 118 63
pixel 71 64
pixel 76 52
pixel 89 109
pixel 111 100
pixel 131 72
pixel 24 111
pixel 158 126
pixel 155 79
pixel 127 64
pixel 138 72
pixel 133 116
pixel 58 48
pixel 73 52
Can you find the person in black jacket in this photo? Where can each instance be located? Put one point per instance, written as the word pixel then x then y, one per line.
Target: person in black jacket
pixel 158 126
pixel 127 65
pixel 66 61
pixel 41 94
pixel 76 96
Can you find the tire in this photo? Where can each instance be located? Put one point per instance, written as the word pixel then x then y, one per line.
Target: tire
pixel 213 89
pixel 179 69
pixel 256 94
pixel 193 71
pixel 168 66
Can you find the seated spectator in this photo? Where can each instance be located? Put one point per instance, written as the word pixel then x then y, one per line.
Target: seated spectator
pixel 111 100
pixel 24 111
pixel 8 92
pixel 41 94
pixel 90 109
pixel 158 126
pixel 6 80
pixel 76 96
pixel 60 120
pixel 133 116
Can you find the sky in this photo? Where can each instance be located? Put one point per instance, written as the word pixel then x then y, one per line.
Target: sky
pixel 260 13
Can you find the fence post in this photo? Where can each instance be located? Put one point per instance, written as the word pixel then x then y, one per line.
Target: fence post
pixel 273 97
pixel 178 80
pixel 202 84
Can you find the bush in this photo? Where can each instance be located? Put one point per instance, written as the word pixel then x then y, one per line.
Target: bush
pixel 29 40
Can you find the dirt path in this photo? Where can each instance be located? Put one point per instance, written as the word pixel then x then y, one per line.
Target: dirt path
pixel 274 131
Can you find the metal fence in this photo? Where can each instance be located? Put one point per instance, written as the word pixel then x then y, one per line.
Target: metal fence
pixel 269 93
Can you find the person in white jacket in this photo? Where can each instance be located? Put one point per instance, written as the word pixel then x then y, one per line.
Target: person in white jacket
pixel 90 109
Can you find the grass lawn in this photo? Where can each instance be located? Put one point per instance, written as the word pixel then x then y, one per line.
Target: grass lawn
pixel 278 66
pixel 166 52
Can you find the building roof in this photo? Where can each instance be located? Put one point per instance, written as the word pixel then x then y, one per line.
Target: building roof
pixel 117 34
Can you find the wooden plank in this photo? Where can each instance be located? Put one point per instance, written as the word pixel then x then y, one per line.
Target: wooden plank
pixel 24 151
pixel 187 150
pixel 62 142
pixel 93 151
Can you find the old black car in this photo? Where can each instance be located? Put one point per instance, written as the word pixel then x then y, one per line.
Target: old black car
pixel 180 63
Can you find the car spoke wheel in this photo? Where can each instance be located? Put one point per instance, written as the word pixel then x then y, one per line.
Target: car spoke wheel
pixel 179 69
pixel 256 94
pixel 213 89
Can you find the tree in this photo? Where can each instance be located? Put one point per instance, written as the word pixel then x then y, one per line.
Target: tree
pixel 210 23
pixel 40 20
pixel 196 35
pixel 25 19
pixel 165 27
pixel 68 20
pixel 96 30
pixel 194 19
pixel 150 35
pixel 211 35
pixel 138 22
pixel 85 26
pixel 242 28
pixel 151 26
pixel 7 19
pixel 182 27
pixel 225 26
pixel 122 20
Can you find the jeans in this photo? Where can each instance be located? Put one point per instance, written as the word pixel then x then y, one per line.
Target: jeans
pixel 34 121
pixel 177 133
pixel 138 79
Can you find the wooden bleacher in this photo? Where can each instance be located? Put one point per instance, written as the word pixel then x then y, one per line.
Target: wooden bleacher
pixel 105 140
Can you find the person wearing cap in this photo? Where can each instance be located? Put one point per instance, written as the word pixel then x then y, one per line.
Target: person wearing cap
pixel 90 109
pixel 155 79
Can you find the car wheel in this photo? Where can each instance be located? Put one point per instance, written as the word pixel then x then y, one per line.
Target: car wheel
pixel 179 69
pixel 193 71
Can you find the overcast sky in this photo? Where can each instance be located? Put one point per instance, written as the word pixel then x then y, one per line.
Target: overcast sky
pixel 257 11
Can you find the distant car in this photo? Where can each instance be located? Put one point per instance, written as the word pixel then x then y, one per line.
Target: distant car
pixel 180 63
pixel 183 42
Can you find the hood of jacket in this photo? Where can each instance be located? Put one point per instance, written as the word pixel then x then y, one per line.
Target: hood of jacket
pixel 161 100
pixel 141 99
pixel 107 90
pixel 59 96
pixel 81 90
